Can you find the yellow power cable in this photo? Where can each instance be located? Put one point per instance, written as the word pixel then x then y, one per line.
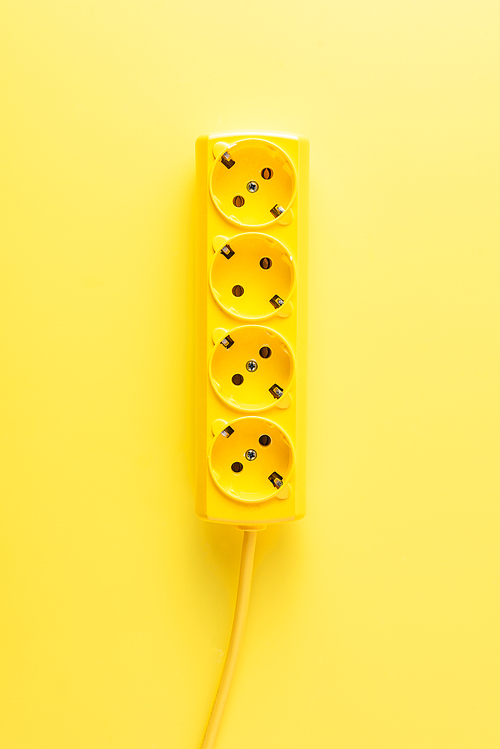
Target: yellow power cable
pixel 240 615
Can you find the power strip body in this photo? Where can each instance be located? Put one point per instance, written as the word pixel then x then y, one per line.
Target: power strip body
pixel 251 297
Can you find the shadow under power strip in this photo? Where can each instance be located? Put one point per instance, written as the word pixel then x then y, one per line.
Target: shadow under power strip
pixel 251 343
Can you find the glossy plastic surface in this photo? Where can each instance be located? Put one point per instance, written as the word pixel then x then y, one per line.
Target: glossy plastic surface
pixel 257 278
pixel 265 265
pixel 253 181
pixel 251 459
pixel 255 371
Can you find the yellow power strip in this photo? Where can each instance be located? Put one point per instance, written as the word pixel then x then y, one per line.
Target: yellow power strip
pixel 251 345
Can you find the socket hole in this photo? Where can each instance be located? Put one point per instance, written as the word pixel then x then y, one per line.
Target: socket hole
pixel 264 440
pixel 238 290
pixel 265 352
pixel 237 379
pixel 266 173
pixel 266 263
pixel 237 466
pixel 238 201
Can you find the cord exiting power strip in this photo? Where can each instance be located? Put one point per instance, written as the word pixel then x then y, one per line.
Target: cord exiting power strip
pixel 240 615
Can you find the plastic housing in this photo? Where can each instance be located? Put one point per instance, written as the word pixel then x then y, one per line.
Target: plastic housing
pixel 251 311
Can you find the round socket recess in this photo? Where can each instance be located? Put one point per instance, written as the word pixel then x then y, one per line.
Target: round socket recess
pixel 251 459
pixel 252 275
pixel 251 368
pixel 253 182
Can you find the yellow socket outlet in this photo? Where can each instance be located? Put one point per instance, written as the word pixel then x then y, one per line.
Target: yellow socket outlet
pixel 253 276
pixel 253 182
pixel 251 367
pixel 251 459
pixel 251 339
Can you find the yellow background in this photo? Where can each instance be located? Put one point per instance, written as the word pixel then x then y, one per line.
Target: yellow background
pixel 374 622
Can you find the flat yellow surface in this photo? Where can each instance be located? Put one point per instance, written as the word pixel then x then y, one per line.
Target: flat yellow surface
pixel 374 622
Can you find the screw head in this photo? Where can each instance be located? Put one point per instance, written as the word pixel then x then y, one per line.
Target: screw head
pixel 251 454
pixel 252 365
pixel 252 186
